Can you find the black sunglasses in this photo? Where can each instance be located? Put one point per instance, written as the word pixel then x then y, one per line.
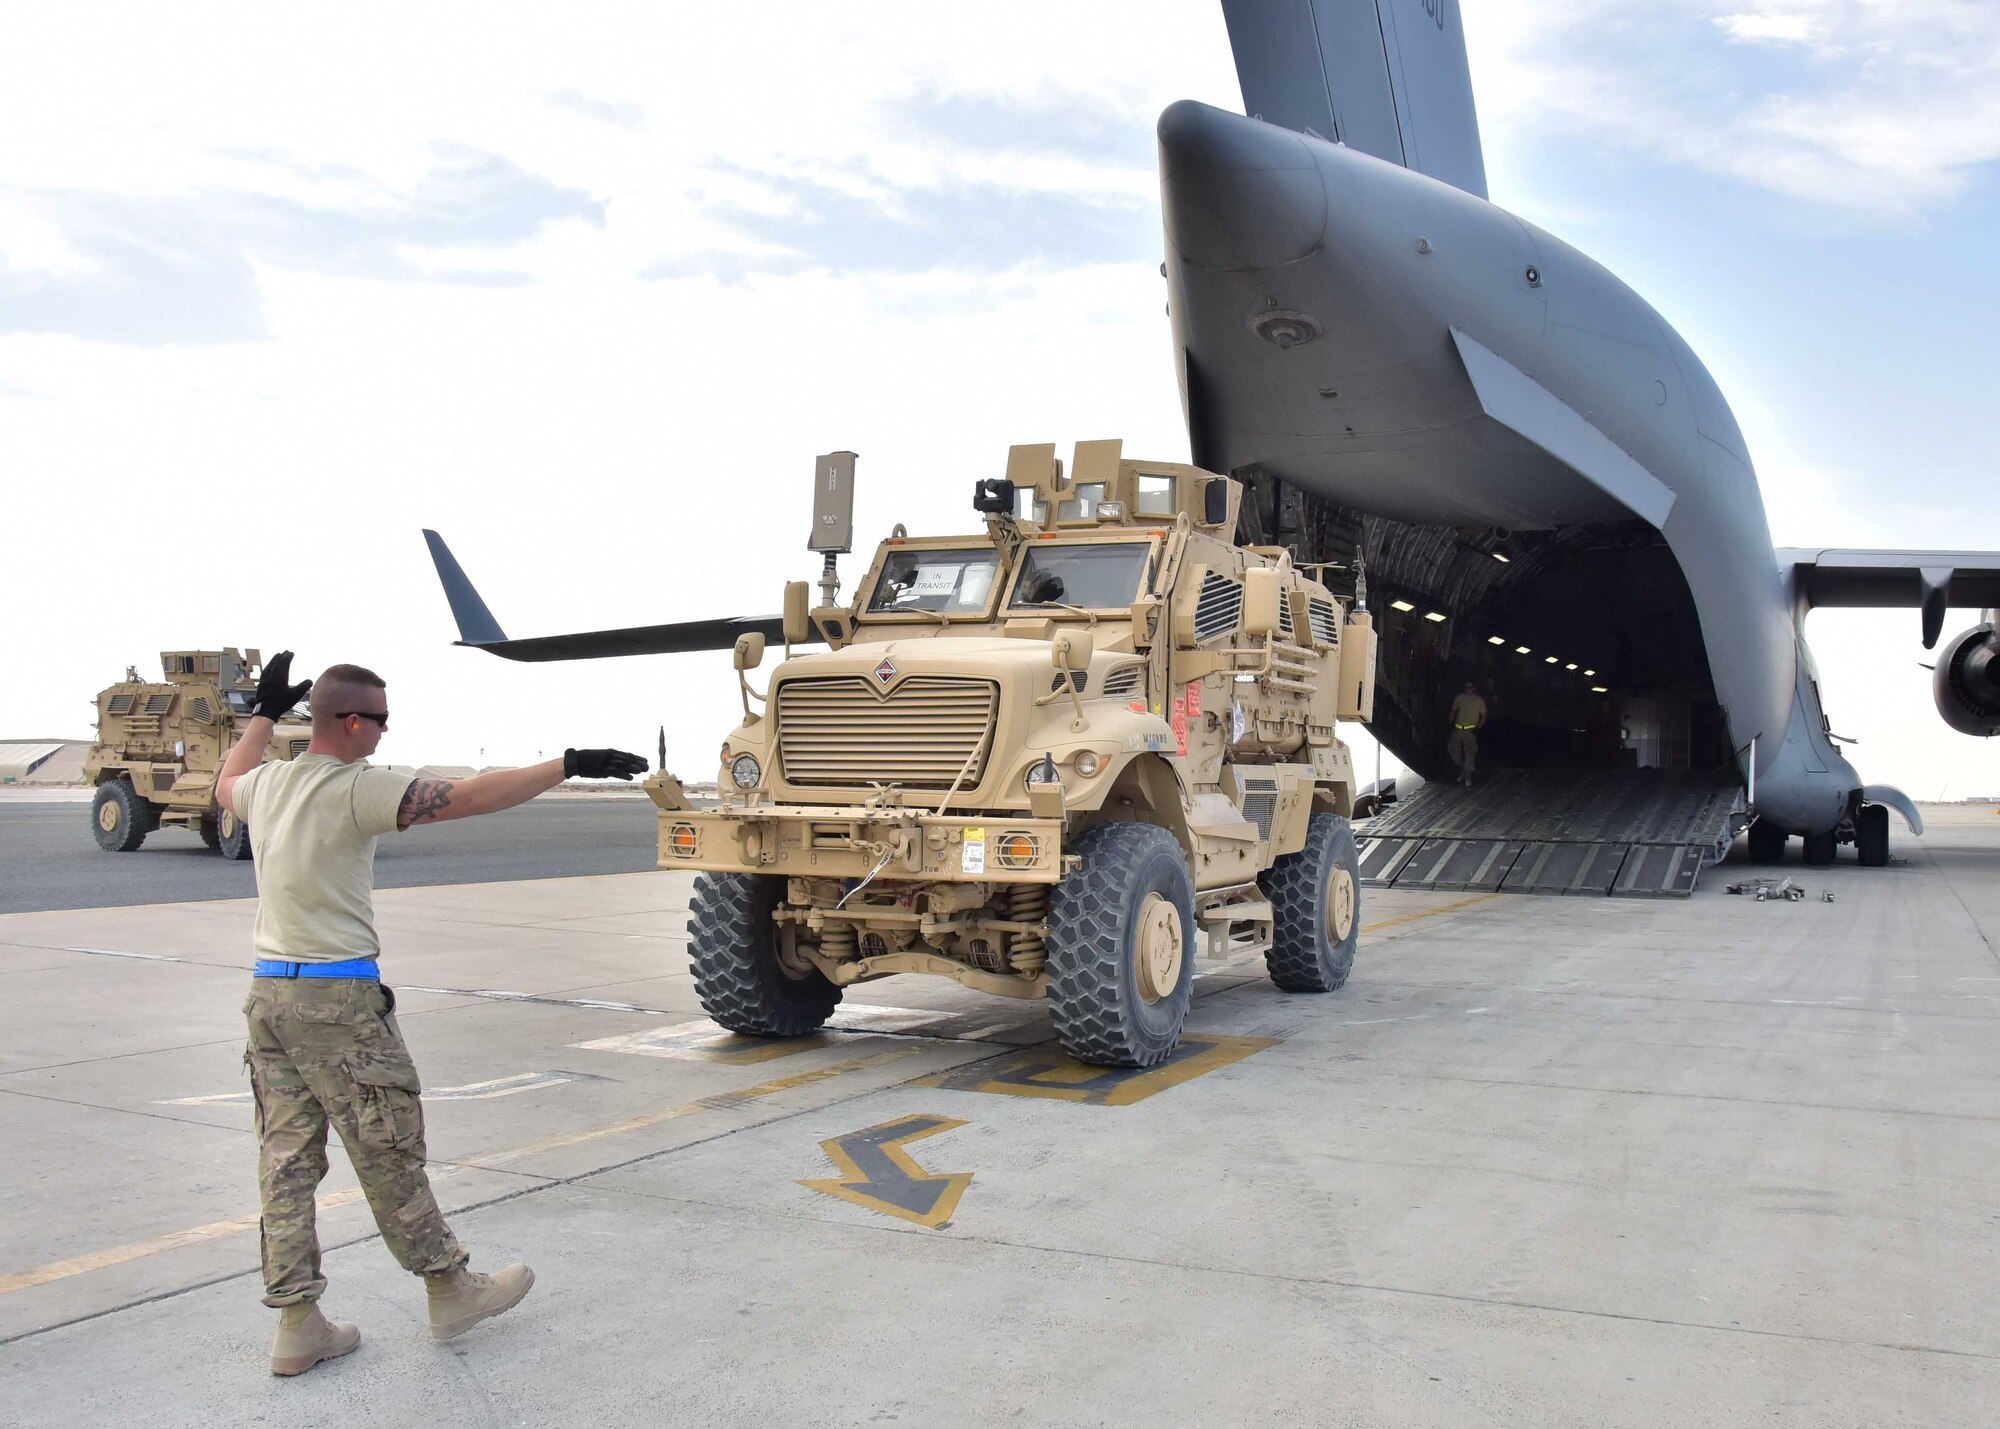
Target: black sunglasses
pixel 382 719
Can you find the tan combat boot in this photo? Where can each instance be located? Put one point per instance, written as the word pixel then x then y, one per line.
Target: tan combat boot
pixel 462 1298
pixel 305 1337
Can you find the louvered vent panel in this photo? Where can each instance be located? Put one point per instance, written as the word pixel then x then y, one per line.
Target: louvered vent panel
pixel 299 746
pixel 1218 609
pixel 838 731
pixel 157 705
pixel 1325 622
pixel 1284 615
pixel 120 704
pixel 200 710
pixel 1124 682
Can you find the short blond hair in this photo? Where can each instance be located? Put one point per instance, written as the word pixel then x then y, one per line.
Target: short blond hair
pixel 336 687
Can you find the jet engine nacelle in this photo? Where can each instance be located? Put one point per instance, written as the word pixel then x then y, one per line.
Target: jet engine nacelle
pixel 1966 682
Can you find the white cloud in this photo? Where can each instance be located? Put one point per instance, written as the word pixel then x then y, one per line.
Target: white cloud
pixel 1883 107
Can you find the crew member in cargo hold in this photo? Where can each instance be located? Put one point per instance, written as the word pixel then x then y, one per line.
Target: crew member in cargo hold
pixel 1468 713
pixel 324 1046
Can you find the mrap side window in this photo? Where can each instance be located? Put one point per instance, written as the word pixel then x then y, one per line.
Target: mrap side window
pixel 1094 576
pixel 951 581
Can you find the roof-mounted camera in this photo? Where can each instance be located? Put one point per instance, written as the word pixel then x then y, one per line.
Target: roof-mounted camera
pixel 993 496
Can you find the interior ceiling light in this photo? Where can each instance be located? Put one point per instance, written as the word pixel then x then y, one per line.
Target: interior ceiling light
pixel 1495 640
pixel 1590 672
pixel 1520 650
pixel 1438 616
pixel 1599 690
pixel 1401 605
pixel 1548 659
pixel 1571 666
pixel 1502 557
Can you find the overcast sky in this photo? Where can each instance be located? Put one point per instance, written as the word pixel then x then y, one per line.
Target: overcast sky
pixel 279 286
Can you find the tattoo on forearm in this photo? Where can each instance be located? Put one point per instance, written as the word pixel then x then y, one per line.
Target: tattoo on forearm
pixel 423 802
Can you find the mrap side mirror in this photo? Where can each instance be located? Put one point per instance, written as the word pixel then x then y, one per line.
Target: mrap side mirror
pixel 749 650
pixel 1262 589
pixel 798 624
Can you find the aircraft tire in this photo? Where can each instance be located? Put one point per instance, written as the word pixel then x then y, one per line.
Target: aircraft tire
pixel 1819 849
pixel 1316 905
pixel 733 948
pixel 119 818
pixel 1121 947
pixel 232 837
pixel 1871 835
pixel 1767 842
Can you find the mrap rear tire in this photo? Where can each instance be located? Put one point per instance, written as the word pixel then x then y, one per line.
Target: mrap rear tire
pixel 1121 947
pixel 119 818
pixel 1316 909
pixel 733 946
pixel 232 837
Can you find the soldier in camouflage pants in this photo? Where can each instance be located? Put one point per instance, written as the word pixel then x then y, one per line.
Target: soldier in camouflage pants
pixel 327 1050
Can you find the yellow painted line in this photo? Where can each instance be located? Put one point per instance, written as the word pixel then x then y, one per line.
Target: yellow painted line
pixel 1429 912
pixel 722 1101
pixel 215 1230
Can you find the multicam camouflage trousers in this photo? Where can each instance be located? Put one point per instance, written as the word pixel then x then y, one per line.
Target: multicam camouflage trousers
pixel 327 1051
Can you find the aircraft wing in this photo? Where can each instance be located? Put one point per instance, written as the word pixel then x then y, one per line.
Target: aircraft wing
pixel 1387 77
pixel 1932 581
pixel 478 629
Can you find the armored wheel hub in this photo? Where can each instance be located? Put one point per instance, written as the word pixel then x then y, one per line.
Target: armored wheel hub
pixel 1156 947
pixel 1340 904
pixel 107 816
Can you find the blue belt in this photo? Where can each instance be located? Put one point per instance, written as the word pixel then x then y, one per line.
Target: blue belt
pixel 353 967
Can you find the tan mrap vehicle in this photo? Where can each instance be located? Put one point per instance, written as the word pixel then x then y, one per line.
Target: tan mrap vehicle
pixel 160 744
pixel 1037 761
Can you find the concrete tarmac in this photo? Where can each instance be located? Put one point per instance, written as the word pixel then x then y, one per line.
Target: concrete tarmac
pixel 1544 1161
pixel 49 859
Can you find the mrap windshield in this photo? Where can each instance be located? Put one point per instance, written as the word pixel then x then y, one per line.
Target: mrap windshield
pixel 952 581
pixel 1097 576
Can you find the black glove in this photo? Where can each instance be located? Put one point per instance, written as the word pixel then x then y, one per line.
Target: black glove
pixel 276 694
pixel 602 764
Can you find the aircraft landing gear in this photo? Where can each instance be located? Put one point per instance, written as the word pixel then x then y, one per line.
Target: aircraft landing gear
pixel 1871 835
pixel 1819 849
pixel 1767 842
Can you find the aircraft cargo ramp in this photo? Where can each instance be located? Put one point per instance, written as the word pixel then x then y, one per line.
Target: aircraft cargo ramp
pixel 1633 833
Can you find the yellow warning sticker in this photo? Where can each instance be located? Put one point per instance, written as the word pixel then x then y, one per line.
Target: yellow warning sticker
pixel 973 858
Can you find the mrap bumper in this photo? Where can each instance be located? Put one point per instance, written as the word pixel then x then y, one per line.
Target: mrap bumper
pixel 790 841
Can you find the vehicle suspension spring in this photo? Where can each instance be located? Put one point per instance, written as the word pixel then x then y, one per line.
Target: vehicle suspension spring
pixel 837 940
pixel 1027 953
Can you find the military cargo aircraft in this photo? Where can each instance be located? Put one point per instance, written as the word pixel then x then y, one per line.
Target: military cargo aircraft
pixel 1511 455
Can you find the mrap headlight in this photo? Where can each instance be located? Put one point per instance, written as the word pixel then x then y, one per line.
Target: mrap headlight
pixel 745 772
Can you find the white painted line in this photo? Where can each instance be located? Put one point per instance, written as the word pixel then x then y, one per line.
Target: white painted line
pixel 1371 1021
pixel 501 995
pixel 471 1092
pixel 121 953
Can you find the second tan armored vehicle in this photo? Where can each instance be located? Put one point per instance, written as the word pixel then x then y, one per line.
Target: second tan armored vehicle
pixel 1039 760
pixel 160 744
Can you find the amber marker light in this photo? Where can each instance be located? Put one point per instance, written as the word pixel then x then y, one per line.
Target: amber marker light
pixel 1018 850
pixel 684 841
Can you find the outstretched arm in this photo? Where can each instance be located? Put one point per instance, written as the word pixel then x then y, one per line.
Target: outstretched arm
pixel 433 801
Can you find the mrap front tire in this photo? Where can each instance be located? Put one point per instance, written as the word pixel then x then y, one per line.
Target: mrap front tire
pixel 733 946
pixel 232 837
pixel 1316 909
pixel 119 818
pixel 1121 947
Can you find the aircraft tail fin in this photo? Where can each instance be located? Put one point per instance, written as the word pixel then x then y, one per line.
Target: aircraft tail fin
pixel 1387 77
pixel 476 625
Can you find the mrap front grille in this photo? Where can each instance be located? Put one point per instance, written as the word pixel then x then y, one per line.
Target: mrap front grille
pixel 839 730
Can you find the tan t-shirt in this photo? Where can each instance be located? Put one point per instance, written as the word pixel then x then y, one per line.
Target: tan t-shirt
pixel 313 825
pixel 1466 712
